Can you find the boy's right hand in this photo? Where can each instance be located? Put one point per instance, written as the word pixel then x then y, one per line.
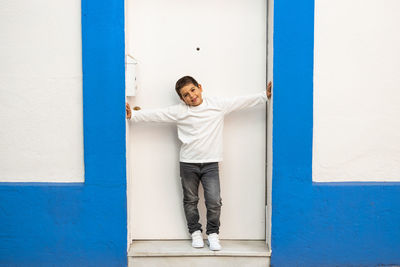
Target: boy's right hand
pixel 128 111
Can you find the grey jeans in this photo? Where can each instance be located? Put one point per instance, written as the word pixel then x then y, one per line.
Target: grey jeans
pixel 208 174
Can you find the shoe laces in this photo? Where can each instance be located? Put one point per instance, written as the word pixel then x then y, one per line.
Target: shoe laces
pixel 196 234
pixel 213 237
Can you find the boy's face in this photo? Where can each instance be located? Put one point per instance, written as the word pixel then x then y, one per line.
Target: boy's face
pixel 191 94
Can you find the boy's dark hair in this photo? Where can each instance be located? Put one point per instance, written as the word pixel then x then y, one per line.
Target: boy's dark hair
pixel 182 82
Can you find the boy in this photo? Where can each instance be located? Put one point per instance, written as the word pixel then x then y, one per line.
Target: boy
pixel 200 124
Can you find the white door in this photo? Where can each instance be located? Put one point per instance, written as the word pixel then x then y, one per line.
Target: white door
pixel 222 44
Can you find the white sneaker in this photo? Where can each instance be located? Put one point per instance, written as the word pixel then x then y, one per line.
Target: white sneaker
pixel 197 239
pixel 213 241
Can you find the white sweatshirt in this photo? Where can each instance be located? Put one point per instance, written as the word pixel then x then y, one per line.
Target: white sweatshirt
pixel 200 127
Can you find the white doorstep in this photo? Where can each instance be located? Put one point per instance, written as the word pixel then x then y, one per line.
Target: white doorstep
pixel 181 253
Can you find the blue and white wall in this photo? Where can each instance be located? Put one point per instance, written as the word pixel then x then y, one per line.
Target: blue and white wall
pixel 315 221
pixel 341 217
pixel 69 220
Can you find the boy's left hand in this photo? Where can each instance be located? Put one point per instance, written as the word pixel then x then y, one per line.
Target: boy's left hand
pixel 269 90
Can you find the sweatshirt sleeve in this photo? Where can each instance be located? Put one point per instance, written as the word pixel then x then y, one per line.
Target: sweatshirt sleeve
pixel 169 114
pixel 244 102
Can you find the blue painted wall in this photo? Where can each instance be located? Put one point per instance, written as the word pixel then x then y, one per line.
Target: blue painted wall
pixel 344 224
pixel 80 224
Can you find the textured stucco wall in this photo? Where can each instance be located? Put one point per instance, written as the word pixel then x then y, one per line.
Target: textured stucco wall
pixel 41 132
pixel 82 224
pixel 337 224
pixel 356 91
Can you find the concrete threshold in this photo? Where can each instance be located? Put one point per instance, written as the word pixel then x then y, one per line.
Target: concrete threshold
pixel 183 248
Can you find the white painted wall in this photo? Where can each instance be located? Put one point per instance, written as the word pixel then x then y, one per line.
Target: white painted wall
pixel 41 134
pixel 163 37
pixel 356 91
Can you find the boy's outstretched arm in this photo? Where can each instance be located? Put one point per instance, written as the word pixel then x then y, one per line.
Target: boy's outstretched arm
pixel 269 90
pixel 168 114
pixel 247 101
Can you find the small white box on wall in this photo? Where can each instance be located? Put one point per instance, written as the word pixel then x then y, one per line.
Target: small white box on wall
pixel 130 76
